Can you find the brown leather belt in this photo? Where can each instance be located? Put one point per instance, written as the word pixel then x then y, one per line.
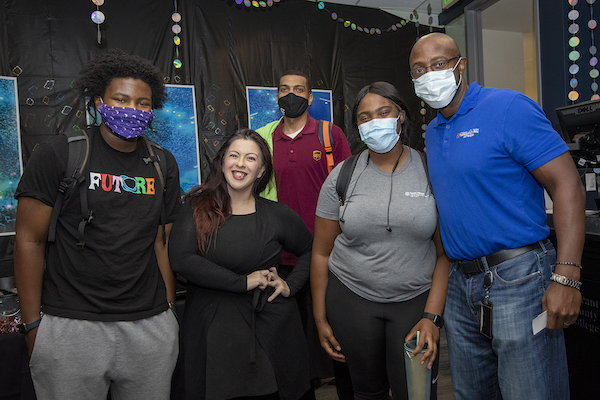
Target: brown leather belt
pixel 476 266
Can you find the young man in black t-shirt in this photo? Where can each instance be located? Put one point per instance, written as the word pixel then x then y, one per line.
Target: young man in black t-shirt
pixel 107 322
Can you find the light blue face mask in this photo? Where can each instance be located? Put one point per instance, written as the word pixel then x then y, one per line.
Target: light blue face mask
pixel 379 134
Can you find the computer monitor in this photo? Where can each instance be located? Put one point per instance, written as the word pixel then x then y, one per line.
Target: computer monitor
pixel 580 124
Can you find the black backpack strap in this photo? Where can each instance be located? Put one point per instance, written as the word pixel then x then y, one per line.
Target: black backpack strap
pixel 343 179
pixel 79 150
pixel 160 164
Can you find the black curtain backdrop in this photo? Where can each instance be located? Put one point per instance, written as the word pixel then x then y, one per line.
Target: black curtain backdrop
pixel 224 47
pixel 235 46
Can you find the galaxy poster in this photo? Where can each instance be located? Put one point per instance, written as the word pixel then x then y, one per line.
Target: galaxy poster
pixel 263 108
pixel 10 160
pixel 175 128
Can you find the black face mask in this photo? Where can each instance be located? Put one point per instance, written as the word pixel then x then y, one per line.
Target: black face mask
pixel 292 106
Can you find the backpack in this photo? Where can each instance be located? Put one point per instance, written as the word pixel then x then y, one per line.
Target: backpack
pixel 79 151
pixel 325 138
pixel 347 169
pixel 327 142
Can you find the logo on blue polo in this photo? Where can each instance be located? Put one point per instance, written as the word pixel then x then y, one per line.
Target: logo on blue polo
pixel 467 134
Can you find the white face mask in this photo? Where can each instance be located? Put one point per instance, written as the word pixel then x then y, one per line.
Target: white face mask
pixel 437 88
pixel 379 134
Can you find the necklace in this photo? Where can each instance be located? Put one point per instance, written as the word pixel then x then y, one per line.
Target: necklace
pixel 391 186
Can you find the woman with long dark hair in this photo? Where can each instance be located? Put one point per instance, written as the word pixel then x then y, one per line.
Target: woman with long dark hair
pixel 241 335
pixel 379 272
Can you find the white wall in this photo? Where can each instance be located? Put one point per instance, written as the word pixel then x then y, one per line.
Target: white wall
pixel 456 30
pixel 503 59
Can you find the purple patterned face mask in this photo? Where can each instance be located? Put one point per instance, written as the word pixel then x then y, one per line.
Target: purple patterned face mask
pixel 125 122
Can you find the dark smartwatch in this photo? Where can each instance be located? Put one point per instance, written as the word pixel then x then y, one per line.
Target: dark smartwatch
pixel 436 319
pixel 24 328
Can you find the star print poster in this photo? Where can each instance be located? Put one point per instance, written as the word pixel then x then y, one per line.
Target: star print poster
pixel 263 108
pixel 10 160
pixel 175 129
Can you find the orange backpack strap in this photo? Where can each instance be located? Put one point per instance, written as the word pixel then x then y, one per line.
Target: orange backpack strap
pixel 327 142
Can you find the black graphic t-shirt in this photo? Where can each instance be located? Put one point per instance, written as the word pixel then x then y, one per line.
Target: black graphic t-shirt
pixel 116 276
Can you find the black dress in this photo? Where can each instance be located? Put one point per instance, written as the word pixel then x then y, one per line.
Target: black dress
pixel 234 343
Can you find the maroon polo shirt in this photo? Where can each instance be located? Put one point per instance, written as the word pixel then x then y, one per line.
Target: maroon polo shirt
pixel 301 168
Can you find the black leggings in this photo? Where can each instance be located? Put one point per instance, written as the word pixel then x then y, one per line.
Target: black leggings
pixel 372 337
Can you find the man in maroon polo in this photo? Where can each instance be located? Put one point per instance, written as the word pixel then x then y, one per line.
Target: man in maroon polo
pixel 300 165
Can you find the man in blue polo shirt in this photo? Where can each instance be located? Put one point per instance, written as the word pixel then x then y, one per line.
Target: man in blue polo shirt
pixel 300 168
pixel 490 154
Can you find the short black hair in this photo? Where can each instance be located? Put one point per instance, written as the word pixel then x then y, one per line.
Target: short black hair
pixel 387 90
pixel 299 73
pixel 99 72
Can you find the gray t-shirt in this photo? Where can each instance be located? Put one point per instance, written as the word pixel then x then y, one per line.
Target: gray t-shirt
pixel 374 263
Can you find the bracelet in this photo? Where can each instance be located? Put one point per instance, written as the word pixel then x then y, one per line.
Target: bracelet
pixel 172 304
pixel 563 280
pixel 175 314
pixel 568 263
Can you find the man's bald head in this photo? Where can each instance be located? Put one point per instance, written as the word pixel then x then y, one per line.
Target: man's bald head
pixel 433 44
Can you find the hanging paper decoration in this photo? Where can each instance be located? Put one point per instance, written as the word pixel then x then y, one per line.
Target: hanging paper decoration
pixel 415 14
pixel 98 17
pixel 347 24
pixel 257 4
pixel 417 23
pixel 592 24
pixel 423 113
pixel 430 19
pixel 573 54
pixel 355 27
pixel 578 62
pixel 176 29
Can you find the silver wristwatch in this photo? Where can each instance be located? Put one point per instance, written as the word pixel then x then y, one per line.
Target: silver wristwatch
pixel 563 280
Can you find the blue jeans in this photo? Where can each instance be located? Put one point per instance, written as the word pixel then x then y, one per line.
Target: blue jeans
pixel 515 364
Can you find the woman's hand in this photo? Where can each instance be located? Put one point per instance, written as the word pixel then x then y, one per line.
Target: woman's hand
pixel 280 285
pixel 430 334
pixel 325 233
pixel 257 279
pixel 329 342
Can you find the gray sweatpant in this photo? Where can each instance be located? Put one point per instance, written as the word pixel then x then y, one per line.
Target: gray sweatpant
pixel 79 359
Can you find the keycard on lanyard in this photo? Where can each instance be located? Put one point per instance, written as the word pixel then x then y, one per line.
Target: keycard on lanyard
pixel 485 324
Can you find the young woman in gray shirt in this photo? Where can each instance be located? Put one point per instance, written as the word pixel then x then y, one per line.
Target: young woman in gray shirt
pixel 379 272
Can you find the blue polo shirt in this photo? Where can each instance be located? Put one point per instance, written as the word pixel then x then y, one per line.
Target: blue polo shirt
pixel 479 164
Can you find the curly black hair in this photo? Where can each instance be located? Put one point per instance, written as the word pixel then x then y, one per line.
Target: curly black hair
pixel 99 72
